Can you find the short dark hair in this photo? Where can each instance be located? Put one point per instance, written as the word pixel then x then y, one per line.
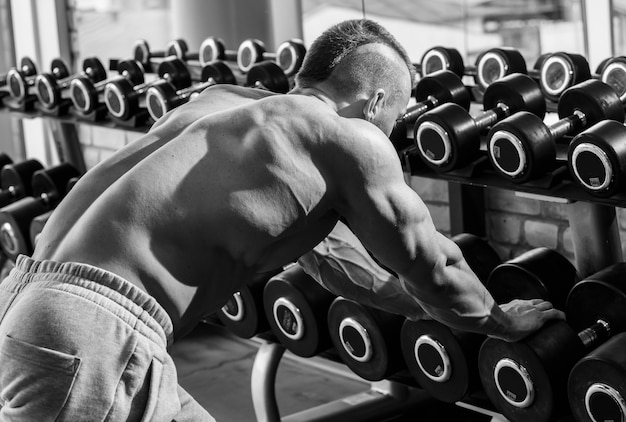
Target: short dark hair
pixel 337 42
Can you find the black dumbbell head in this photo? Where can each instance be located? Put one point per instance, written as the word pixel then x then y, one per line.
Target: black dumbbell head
pixel 211 49
pixel 94 69
pixel 177 48
pixel 540 273
pixel 520 147
pixel 17 178
pixel 447 137
pixel 53 182
pixel 560 71
pixel 269 75
pixel 445 86
pixel 597 158
pixel 141 52
pixel 597 100
pixel 442 58
pixel 132 70
pixel 518 92
pixel 296 308
pixel 495 63
pixel 219 72
pixel 175 72
pixel 597 383
pixel 290 55
pixel 27 65
pixel 613 73
pixel 15 220
pixel 601 295
pixel 250 52
pixel 59 69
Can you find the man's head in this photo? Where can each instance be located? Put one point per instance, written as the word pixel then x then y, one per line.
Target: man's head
pixel 363 66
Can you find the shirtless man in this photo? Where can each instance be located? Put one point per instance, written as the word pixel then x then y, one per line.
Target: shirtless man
pixel 235 182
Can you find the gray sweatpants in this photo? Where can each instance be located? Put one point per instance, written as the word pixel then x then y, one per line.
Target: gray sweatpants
pixel 78 343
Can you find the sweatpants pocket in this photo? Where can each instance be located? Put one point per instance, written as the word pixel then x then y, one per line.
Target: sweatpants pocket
pixel 35 382
pixel 156 375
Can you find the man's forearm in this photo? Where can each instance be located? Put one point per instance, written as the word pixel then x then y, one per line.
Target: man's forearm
pixel 343 266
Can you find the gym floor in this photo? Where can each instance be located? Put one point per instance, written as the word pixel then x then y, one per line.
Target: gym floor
pixel 214 366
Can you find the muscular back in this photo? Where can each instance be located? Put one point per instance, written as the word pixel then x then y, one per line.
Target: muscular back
pixel 230 184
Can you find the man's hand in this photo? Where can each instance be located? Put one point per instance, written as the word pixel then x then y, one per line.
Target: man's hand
pixel 527 316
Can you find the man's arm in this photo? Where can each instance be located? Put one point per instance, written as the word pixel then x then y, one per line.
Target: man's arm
pixel 394 224
pixel 342 265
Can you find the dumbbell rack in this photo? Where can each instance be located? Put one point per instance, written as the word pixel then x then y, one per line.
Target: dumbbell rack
pixel 595 235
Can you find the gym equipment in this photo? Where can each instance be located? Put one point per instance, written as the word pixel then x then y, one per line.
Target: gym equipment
pixel 366 339
pixel 289 55
pixel 49 88
pixel 213 49
pixel 48 187
pixel 15 180
pixel 491 65
pixel 612 71
pixel 243 313
pixel 20 80
pixel 84 92
pixel 143 54
pixel 596 158
pixel 522 146
pixel 27 67
pixel 560 71
pixel 448 137
pixel 296 307
pixel 432 90
pixel 122 98
pixel 441 359
pixel 596 385
pixel 180 49
pixel 528 379
pixel 268 76
pixel 163 97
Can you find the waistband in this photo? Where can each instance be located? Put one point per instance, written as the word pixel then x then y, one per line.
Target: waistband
pixel 140 304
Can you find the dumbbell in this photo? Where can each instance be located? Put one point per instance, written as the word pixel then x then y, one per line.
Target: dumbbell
pixel 122 98
pixel 27 67
pixel 15 180
pixel 180 49
pixel 213 49
pixel 522 146
pixel 366 339
pixel 49 88
pixel 491 65
pixel 48 187
pixel 432 90
pixel 597 383
pixel 243 313
pixel 448 137
pixel 560 71
pixel 84 92
pixel 143 54
pixel 19 81
pixel 527 380
pixel 4 161
pixel 38 223
pixel 612 71
pixel 596 159
pixel 268 76
pixel 289 55
pixel 441 359
pixel 163 97
pixel 296 307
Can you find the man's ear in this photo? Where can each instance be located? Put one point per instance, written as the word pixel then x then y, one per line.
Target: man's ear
pixel 374 104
